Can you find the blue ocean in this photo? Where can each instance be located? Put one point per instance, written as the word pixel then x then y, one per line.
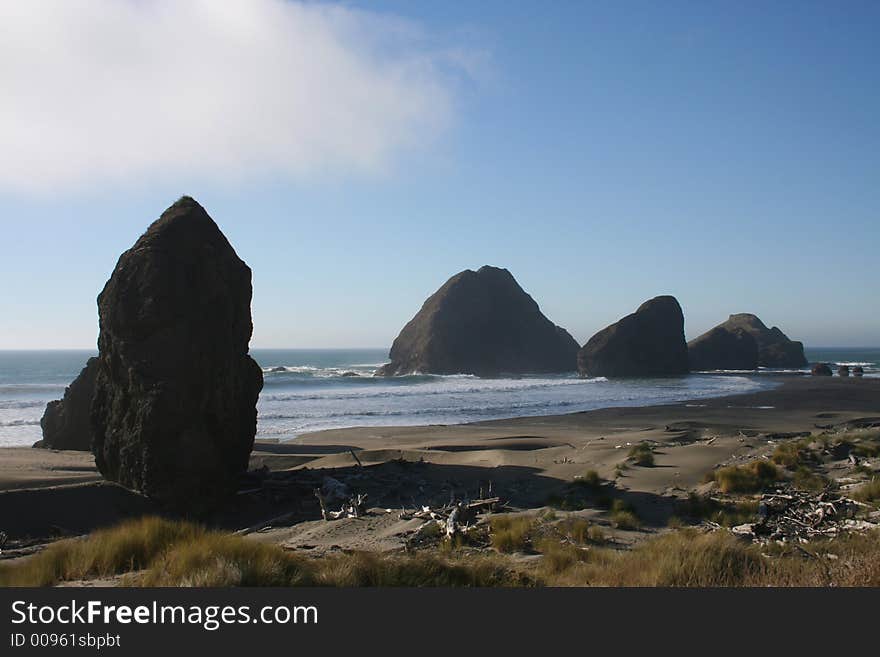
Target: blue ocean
pixel 313 389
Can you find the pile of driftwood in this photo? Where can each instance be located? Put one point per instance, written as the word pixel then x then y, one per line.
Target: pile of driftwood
pixel 397 484
pixel 800 516
pixel 454 517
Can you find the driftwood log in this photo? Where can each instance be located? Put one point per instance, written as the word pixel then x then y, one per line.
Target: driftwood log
pixel 799 516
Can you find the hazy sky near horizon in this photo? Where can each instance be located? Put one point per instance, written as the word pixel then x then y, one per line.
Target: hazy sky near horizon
pixel 358 154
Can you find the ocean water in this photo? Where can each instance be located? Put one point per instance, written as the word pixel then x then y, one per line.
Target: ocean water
pixel 306 390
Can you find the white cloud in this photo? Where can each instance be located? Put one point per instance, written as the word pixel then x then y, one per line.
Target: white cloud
pixel 106 91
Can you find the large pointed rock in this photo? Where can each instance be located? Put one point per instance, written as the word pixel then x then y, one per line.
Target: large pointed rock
pixel 649 342
pixel 723 348
pixel 774 347
pixel 481 322
pixel 66 423
pixel 174 413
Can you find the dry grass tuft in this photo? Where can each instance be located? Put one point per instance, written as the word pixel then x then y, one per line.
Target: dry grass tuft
pixel 749 478
pixel 868 492
pixel 420 569
pixel 580 531
pixel 791 454
pixel 215 559
pixel 727 514
pixel 623 516
pixel 511 533
pixel 590 479
pixel 806 479
pixel 107 552
pixel 642 454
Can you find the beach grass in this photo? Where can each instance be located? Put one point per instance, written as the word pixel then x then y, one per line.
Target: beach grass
pixel 590 479
pixel 156 552
pixel 130 546
pixel 792 454
pixel 749 478
pixel 725 513
pixel 642 454
pixel 623 516
pixel 511 533
pixel 580 531
pixel 806 479
pixel 868 492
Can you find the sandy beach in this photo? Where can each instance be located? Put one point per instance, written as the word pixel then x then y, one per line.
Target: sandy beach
pixel 46 494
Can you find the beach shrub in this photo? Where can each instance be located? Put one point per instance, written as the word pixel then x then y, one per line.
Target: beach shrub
pixel 791 454
pixel 625 520
pixel 869 492
pixel 642 454
pixel 568 502
pixel 511 533
pixel 580 531
pixel 559 556
pixel 866 449
pixel 749 478
pixel 806 479
pixel 726 514
pixel 623 516
pixel 674 522
pixel 582 493
pixel 590 479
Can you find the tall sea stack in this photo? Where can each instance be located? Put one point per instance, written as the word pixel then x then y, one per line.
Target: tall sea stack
pixel 481 322
pixel 649 342
pixel 174 413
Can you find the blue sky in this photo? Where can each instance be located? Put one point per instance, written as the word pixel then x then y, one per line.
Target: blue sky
pixel 726 153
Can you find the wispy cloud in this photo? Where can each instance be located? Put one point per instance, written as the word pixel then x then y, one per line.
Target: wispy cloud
pixel 107 91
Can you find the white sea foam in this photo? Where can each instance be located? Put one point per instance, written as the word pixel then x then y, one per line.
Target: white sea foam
pixel 311 393
pixel 20 423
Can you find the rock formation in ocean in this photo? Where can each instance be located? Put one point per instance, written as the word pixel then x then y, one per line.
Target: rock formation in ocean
pixel 481 322
pixel 174 414
pixel 66 423
pixel 649 342
pixel 821 369
pixel 843 370
pixel 722 348
pixel 858 370
pixel 774 347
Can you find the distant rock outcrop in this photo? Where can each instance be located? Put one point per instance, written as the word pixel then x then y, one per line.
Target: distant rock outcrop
pixel 481 322
pixel 843 370
pixel 174 413
pixel 858 370
pixel 723 349
pixel 66 423
pixel 774 347
pixel 649 342
pixel 821 369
